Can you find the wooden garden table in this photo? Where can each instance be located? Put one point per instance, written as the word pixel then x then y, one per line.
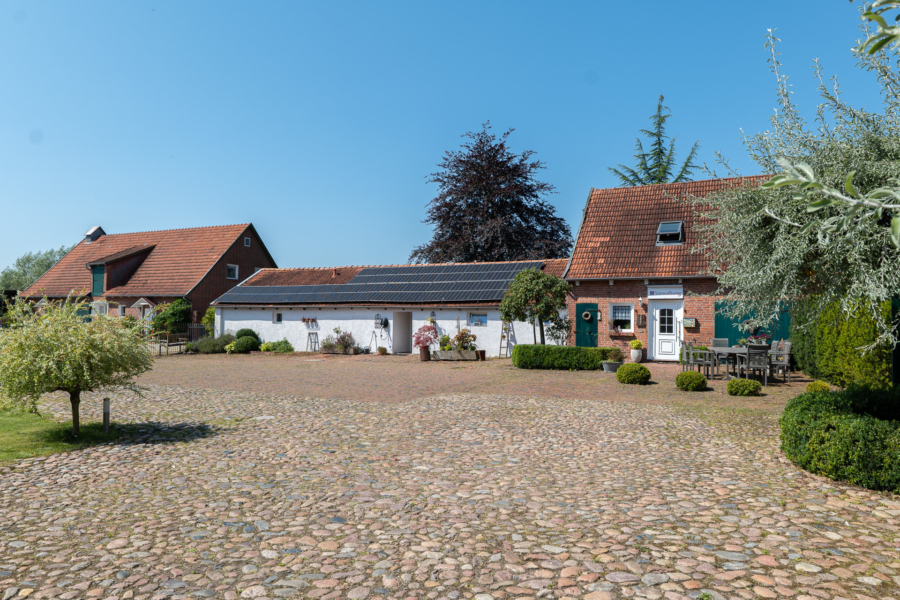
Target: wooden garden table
pixel 732 351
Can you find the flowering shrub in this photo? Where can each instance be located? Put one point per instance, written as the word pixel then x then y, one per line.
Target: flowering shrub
pixel 464 340
pixel 344 339
pixel 425 337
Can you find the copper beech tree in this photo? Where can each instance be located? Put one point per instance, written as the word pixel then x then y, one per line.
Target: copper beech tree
pixel 491 207
pixel 57 347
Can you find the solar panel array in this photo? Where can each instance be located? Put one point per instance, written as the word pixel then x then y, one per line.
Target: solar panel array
pixel 427 284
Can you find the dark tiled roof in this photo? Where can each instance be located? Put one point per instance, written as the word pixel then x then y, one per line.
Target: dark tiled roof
pixel 617 237
pixel 120 255
pixel 179 260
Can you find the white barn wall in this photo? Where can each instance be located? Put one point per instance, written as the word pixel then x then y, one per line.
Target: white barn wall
pixel 361 323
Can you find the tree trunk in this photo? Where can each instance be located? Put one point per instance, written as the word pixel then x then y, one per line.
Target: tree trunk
pixel 75 399
pixel 541 323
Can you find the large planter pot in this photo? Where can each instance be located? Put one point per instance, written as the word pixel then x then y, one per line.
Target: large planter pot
pixel 352 350
pixel 424 354
pixel 637 355
pixel 455 355
pixel 482 354
pixel 611 367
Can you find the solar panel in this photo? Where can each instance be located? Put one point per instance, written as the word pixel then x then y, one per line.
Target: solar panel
pixel 483 282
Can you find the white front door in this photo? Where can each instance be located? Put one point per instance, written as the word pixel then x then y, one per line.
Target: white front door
pixel 665 329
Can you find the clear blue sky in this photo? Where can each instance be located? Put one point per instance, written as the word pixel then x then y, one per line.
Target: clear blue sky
pixel 318 121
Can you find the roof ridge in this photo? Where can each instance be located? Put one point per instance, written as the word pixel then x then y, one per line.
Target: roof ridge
pixel 685 183
pixel 178 229
pixel 496 262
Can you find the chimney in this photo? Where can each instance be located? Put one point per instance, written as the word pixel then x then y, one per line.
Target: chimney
pixel 93 233
pixel 334 273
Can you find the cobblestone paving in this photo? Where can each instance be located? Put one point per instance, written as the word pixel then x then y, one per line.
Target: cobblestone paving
pixel 231 494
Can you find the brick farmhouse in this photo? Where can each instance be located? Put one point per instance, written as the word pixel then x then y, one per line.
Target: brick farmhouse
pixel 635 272
pixel 131 273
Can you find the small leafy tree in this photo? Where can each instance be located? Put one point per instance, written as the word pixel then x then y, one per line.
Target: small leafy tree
pixel 425 337
pixel 535 296
pixel 169 316
pixel 491 207
pixel 29 267
pixel 56 348
pixel 658 164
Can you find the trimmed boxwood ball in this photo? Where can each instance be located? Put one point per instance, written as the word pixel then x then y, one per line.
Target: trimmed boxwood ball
pixel 245 332
pixel 248 343
pixel 744 387
pixel 851 435
pixel 633 373
pixel 691 381
pixel 568 358
pixel 817 386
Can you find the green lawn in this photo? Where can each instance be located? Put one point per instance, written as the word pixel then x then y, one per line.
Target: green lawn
pixel 23 435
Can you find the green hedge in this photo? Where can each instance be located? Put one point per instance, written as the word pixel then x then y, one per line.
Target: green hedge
pixel 827 348
pixel 852 435
pixel 569 358
pixel 633 373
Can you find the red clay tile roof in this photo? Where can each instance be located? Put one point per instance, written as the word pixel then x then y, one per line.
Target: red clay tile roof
pixel 617 238
pixel 180 259
pixel 328 275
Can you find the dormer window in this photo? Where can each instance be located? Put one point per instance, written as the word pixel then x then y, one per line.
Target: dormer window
pixel 669 233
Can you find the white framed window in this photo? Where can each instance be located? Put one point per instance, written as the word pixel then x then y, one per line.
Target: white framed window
pixel 477 319
pixel 99 308
pixel 276 317
pixel 232 272
pixel 247 242
pixel 122 311
pixel 621 316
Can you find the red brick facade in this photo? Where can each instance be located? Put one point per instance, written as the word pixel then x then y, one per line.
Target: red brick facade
pixel 699 303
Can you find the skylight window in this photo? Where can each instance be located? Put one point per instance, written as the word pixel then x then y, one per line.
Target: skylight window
pixel 670 232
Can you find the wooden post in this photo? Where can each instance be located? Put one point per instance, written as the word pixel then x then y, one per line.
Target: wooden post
pixel 106 415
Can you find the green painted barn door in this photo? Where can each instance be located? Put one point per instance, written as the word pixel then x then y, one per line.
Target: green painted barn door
pixel 586 329
pixel 727 328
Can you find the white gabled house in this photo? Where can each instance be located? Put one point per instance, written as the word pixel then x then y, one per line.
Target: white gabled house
pixel 379 305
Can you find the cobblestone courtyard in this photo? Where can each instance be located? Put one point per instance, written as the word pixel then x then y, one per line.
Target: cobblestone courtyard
pixel 380 477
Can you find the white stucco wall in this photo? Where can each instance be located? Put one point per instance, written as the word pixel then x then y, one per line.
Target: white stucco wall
pixel 361 323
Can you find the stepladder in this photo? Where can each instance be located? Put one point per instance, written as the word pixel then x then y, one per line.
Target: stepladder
pixel 312 341
pixel 505 330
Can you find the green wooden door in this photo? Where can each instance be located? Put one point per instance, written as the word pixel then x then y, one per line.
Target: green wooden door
pixel 586 329
pixel 98 272
pixel 728 328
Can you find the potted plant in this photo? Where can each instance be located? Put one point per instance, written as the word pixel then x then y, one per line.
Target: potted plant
pixel 760 339
pixel 424 339
pixel 459 347
pixel 382 350
pixel 614 359
pixel 637 352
